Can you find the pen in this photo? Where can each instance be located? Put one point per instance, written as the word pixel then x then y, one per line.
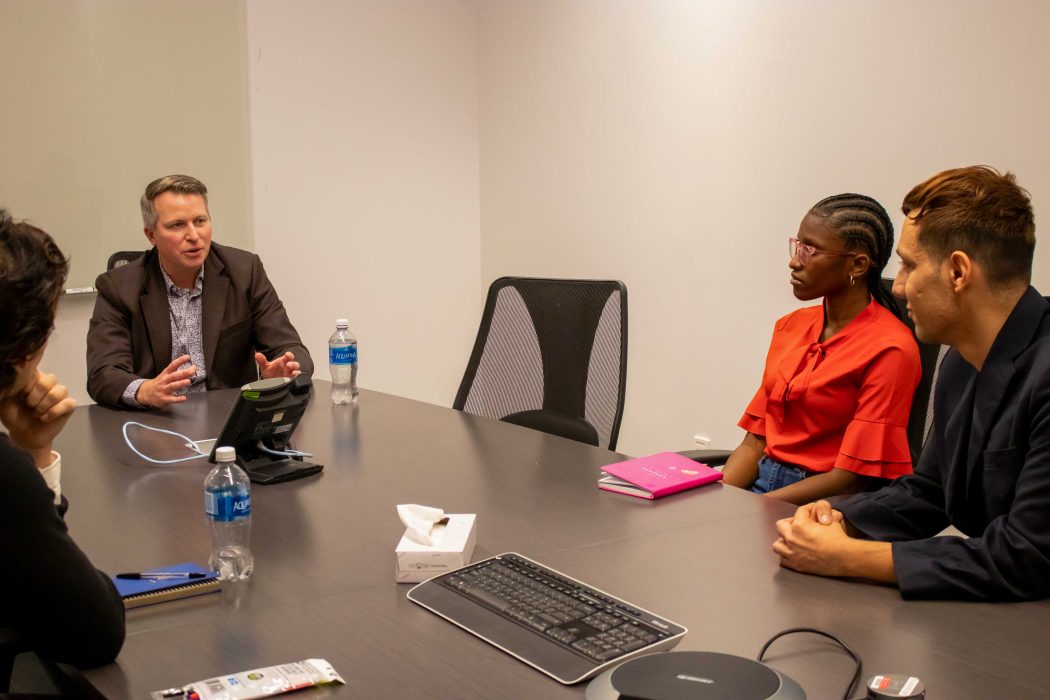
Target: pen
pixel 146 575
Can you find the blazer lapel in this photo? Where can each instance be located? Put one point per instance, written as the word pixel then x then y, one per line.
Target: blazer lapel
pixel 216 289
pixel 957 407
pixel 994 377
pixel 991 385
pixel 154 305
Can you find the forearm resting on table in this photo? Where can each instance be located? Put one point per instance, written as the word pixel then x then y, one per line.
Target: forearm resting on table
pixel 741 469
pixel 869 560
pixel 818 486
pixel 816 540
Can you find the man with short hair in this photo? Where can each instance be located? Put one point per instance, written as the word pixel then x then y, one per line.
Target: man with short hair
pixel 189 315
pixel 966 253
pixel 62 607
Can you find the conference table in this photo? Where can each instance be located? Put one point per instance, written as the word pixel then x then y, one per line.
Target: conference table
pixel 324 562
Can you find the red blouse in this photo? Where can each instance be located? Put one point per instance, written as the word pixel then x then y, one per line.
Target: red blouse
pixel 841 403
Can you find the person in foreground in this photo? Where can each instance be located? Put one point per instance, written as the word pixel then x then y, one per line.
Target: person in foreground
pixel 187 316
pixel 832 411
pixel 63 608
pixel 966 259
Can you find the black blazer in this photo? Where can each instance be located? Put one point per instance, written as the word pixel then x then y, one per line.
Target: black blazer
pixel 985 470
pixel 129 336
pixel 51 595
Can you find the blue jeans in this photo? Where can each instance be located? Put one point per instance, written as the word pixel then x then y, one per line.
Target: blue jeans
pixel 773 475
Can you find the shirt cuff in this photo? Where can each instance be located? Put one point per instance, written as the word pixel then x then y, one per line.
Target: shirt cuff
pixel 128 397
pixel 53 476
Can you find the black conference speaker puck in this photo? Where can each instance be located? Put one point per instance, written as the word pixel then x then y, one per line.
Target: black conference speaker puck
pixel 693 675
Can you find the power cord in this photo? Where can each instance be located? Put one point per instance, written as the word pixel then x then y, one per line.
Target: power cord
pixel 811 630
pixel 281 453
pixel 193 445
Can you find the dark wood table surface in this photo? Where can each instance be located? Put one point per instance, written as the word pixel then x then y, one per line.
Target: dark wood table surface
pixel 324 562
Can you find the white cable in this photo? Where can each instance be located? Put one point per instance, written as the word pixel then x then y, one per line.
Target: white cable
pixel 189 443
pixel 196 446
pixel 279 453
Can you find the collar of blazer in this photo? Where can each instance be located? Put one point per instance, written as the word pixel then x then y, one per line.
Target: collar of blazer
pixel 156 314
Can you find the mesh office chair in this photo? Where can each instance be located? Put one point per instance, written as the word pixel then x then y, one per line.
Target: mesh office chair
pixel 123 257
pixel 921 417
pixel 551 355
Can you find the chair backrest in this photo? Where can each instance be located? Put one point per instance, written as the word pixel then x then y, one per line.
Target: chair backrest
pixel 551 355
pixel 123 257
pixel 921 405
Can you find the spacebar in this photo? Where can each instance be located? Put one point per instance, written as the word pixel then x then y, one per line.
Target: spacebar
pixel 489 599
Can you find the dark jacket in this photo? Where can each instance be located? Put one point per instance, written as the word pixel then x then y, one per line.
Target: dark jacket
pixel 985 470
pixel 50 594
pixel 129 336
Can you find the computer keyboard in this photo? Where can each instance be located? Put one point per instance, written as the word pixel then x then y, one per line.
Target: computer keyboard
pixel 556 624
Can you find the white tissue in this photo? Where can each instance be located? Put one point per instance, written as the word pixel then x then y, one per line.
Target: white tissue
pixel 419 522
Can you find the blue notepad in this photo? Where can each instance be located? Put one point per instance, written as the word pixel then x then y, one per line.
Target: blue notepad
pixel 137 593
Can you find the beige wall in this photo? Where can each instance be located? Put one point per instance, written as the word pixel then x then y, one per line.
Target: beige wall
pixel 99 98
pixel 365 173
pixel 676 144
pixel 673 144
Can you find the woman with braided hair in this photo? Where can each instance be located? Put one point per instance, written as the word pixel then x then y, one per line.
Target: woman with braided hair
pixel 832 411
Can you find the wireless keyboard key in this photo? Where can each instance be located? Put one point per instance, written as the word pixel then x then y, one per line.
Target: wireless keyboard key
pixel 495 602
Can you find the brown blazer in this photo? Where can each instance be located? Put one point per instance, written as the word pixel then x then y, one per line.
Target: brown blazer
pixel 129 336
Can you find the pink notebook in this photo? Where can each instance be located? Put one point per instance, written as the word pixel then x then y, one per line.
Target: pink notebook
pixel 655 476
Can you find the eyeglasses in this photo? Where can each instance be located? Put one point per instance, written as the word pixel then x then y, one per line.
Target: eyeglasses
pixel 805 251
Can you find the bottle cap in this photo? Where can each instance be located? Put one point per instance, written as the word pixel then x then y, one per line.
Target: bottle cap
pixel 225 454
pixel 341 323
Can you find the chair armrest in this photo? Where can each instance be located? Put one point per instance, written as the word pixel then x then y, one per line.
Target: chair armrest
pixel 712 458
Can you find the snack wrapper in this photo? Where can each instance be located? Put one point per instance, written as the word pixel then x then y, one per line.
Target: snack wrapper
pixel 257 683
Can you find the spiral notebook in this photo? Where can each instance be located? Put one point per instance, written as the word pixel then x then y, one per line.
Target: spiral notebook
pixel 140 592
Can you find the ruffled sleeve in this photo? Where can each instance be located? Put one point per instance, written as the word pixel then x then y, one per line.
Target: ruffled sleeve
pixel 876 440
pixel 875 449
pixel 754 418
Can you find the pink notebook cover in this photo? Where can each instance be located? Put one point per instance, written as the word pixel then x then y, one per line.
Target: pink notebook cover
pixel 658 475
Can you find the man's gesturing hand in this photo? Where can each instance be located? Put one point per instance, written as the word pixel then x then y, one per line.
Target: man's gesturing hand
pixel 160 391
pixel 282 366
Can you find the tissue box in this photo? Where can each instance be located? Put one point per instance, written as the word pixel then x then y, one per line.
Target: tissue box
pixel 453 546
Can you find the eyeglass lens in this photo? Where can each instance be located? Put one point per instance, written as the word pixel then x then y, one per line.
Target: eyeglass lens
pixel 797 247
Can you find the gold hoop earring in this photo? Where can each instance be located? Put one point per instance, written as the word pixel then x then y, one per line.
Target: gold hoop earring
pixel 851 280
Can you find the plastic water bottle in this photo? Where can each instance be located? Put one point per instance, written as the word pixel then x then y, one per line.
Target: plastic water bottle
pixel 342 362
pixel 228 506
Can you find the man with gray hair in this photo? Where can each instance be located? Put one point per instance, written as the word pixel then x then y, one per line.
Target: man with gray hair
pixel 187 316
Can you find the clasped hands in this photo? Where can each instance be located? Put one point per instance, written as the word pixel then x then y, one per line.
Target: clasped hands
pixel 815 541
pixel 34 416
pixel 161 390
